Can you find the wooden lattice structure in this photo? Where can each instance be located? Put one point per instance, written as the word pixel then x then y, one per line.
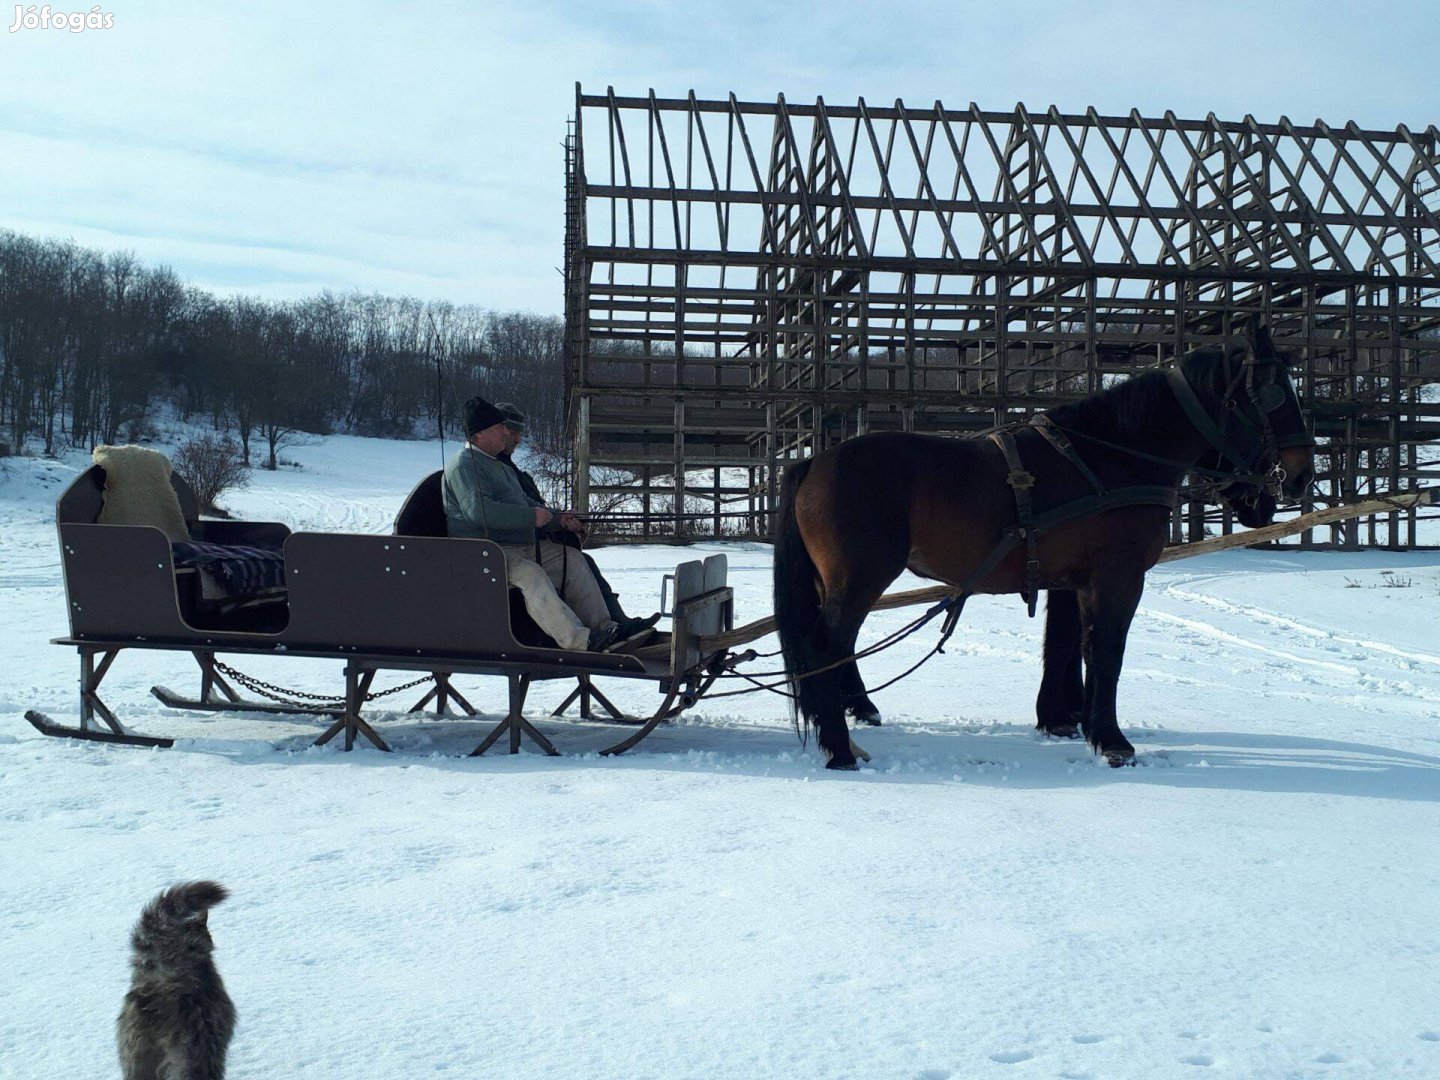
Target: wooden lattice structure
pixel 750 282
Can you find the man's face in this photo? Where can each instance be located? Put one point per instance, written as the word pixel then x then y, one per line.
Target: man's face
pixel 512 438
pixel 492 440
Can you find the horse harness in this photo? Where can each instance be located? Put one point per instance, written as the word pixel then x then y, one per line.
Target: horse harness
pixel 1029 525
pixel 1249 447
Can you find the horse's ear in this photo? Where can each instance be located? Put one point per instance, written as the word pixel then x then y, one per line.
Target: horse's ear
pixel 1262 345
pixel 1257 336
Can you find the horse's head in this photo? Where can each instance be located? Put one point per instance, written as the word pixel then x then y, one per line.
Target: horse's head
pixel 1257 427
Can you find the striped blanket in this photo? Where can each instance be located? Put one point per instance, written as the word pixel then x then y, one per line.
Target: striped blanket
pixel 243 571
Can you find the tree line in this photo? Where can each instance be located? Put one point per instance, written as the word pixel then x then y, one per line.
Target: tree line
pixel 94 344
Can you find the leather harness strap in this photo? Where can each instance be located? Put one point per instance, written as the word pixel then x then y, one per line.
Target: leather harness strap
pixel 1066 449
pixel 1021 481
pixel 1029 525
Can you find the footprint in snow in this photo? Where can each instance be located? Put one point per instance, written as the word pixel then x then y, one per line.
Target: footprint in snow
pixel 1198 1059
pixel 1430 1036
pixel 1086 1040
pixel 1011 1057
pixel 1329 1059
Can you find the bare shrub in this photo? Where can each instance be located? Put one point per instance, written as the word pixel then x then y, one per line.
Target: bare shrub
pixel 211 465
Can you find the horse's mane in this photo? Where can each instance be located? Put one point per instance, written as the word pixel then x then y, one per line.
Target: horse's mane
pixel 1129 407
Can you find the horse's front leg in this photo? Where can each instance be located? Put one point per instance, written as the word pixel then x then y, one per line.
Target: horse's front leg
pixel 1059 707
pixel 1107 607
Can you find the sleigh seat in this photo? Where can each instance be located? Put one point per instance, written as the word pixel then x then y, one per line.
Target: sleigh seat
pixel 423 514
pixel 204 600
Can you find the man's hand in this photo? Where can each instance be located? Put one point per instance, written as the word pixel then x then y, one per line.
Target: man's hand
pixel 542 517
pixel 570 522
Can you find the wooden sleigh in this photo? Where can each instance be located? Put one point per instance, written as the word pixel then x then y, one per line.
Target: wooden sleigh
pixel 415 601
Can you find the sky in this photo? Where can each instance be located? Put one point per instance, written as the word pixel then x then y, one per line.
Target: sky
pixel 280 149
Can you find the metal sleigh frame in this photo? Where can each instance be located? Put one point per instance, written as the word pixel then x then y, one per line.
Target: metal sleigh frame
pixel 403 602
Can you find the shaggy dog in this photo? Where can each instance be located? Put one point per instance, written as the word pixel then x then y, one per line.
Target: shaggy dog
pixel 177 1019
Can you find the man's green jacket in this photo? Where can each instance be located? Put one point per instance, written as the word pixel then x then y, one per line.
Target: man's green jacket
pixel 484 501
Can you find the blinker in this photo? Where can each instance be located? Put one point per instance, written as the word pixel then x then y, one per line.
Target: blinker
pixel 1270 397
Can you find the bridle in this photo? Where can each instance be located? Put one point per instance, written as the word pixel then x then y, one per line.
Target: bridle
pixel 1244 433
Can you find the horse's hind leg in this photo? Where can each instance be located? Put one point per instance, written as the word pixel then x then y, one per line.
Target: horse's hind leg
pixel 1107 607
pixel 1060 705
pixel 857 701
pixel 841 616
pixel 829 694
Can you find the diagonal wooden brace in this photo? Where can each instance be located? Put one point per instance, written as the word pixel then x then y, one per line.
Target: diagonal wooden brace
pixel 515 724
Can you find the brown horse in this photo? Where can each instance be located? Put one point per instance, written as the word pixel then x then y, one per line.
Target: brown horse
pixel 1060 703
pixel 1077 503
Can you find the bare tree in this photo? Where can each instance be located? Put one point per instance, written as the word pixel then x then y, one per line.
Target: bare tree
pixel 211 465
pixel 91 342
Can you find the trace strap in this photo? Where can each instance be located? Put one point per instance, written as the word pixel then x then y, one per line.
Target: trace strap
pixel 1021 481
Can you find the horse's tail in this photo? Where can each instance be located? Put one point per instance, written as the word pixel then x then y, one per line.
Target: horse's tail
pixel 797 601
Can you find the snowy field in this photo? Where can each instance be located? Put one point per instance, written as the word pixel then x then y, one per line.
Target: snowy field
pixel 1257 899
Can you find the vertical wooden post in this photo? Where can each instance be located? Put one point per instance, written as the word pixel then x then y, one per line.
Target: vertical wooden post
pixel 87 680
pixel 679 489
pixel 582 455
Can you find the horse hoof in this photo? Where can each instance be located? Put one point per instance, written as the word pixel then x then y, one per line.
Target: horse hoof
pixel 871 718
pixel 843 766
pixel 1119 758
pixel 1062 731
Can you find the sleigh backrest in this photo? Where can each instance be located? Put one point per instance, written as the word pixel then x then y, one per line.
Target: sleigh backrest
pixel 81 502
pixel 423 513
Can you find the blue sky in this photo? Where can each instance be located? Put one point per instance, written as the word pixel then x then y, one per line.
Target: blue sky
pixel 281 149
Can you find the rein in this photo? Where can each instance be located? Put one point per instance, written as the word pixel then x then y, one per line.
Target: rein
pixel 1266 479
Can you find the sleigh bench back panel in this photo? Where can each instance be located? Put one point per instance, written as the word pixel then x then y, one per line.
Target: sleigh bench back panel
pixel 398 593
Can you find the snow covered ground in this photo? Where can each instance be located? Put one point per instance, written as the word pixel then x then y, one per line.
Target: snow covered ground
pixel 1257 899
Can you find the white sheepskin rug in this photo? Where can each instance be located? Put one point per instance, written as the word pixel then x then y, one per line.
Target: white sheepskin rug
pixel 138 491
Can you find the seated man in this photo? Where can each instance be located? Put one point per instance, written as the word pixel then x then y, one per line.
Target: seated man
pixel 483 500
pixel 567 528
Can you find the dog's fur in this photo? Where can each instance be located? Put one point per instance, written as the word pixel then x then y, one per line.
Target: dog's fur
pixel 177 1019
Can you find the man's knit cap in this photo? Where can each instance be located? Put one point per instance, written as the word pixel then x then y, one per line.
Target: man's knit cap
pixel 480 414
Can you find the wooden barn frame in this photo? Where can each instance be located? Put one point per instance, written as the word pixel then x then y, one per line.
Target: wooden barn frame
pixel 750 282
